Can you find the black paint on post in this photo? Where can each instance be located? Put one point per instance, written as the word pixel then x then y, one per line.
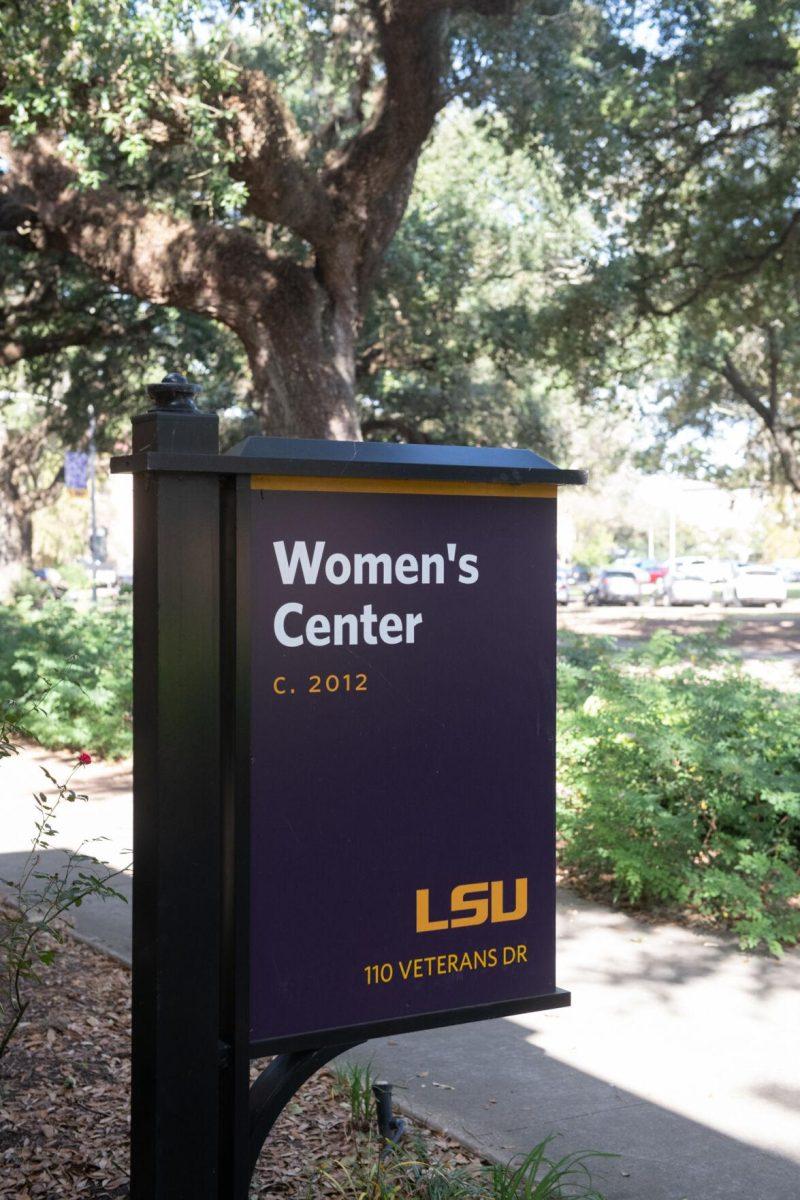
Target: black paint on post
pixel 234 977
pixel 176 888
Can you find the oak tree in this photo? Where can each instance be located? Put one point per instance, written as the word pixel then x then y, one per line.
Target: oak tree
pixel 249 162
pixel 679 121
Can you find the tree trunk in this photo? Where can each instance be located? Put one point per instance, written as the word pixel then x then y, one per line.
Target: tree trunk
pixel 302 358
pixel 16 532
pixel 789 455
pixel 16 544
pixel 17 506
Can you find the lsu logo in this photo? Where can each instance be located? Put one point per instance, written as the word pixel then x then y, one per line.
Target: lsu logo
pixel 475 904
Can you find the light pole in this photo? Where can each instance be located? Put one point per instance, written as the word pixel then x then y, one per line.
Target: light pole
pixel 93 500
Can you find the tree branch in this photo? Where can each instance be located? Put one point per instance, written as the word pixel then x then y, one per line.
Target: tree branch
pixel 207 269
pixel 774 366
pixel 789 455
pixel 744 390
pixel 14 348
pixel 394 424
pixel 271 160
pixel 379 357
pixel 751 264
pixel 374 172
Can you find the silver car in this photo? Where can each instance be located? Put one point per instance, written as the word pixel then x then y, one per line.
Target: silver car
pixel 615 585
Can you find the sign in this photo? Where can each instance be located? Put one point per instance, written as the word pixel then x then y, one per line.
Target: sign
pixel 343 714
pixel 402 753
pixel 76 470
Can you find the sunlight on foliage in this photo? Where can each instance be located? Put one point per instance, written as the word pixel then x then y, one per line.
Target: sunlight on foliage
pixel 87 657
pixel 680 785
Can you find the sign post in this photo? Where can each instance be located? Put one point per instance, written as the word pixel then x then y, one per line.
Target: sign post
pixel 344 765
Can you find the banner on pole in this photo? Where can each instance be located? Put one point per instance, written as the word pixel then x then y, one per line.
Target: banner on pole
pixel 76 470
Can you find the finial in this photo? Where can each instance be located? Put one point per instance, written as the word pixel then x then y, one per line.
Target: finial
pixel 174 394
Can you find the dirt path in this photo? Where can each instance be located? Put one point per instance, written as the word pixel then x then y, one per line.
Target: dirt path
pixel 762 633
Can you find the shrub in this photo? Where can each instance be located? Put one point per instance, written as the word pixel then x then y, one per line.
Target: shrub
pixel 679 785
pixel 88 653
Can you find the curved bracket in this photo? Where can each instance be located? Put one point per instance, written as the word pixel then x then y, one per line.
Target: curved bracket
pixel 276 1085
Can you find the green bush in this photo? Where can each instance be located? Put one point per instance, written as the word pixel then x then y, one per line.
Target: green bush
pixel 679 785
pixel 86 657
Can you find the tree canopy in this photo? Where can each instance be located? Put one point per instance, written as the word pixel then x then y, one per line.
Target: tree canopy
pixel 682 132
pixel 254 164
pixel 250 162
pixel 445 351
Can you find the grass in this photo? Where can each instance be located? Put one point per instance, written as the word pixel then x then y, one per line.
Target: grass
pixel 354 1082
pixel 407 1172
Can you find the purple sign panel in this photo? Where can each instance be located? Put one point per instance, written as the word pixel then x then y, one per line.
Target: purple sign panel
pixel 402 756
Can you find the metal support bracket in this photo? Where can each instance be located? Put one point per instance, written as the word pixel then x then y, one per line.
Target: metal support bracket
pixel 276 1085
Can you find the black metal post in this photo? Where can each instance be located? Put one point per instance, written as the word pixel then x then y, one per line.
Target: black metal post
pixel 390 1127
pixel 235 848
pixel 176 889
pixel 93 499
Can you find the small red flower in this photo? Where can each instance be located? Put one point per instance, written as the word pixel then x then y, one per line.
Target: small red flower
pixel 84 759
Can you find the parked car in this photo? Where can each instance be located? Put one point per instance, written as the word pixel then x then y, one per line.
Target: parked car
pixel 647 586
pixel 656 570
pixel 579 574
pixel 686 587
pixel 789 569
pixel 562 586
pixel 694 564
pixel 614 585
pixel 754 583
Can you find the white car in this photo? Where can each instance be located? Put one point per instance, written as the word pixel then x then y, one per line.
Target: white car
pixel 687 587
pixel 694 565
pixel 789 569
pixel 754 583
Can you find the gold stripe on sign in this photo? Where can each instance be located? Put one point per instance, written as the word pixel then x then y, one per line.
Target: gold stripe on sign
pixel 419 487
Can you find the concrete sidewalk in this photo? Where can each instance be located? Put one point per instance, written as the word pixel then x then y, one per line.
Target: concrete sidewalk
pixel 101 826
pixel 679 1053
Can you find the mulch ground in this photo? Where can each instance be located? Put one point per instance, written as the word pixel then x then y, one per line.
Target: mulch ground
pixel 64 1101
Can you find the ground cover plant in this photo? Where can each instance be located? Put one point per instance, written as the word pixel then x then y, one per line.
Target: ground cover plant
pixel 679 784
pixel 409 1173
pixel 82 659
